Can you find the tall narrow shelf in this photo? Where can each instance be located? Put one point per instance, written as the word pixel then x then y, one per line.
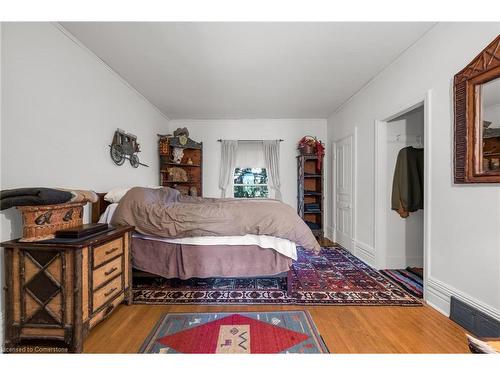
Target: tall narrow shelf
pixel 193 152
pixel 310 198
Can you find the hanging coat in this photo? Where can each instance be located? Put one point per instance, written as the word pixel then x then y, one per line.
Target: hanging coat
pixel 408 182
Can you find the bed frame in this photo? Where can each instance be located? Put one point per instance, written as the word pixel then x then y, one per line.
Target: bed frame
pixel 100 206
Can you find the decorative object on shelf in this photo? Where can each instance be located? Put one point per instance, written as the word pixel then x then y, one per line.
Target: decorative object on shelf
pixel 182 134
pixel 310 197
pixel 125 146
pixel 309 145
pixel 182 153
pixel 176 174
pixel 193 191
pixel 163 143
pixel 177 154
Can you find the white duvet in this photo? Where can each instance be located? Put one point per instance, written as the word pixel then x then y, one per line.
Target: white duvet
pixel 281 245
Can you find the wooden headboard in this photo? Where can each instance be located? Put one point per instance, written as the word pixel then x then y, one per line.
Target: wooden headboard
pixel 99 207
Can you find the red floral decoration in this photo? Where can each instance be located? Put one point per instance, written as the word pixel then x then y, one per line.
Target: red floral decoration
pixel 315 146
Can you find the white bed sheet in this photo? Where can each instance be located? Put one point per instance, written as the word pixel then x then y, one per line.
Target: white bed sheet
pixel 281 245
pixel 108 213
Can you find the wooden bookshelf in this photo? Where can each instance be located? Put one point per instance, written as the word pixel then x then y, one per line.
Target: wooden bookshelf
pixel 193 151
pixel 310 197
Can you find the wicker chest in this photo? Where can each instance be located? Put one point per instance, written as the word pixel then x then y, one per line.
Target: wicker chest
pixel 61 291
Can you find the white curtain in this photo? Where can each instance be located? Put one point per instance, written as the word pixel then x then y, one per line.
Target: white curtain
pixel 250 155
pixel 229 150
pixel 272 159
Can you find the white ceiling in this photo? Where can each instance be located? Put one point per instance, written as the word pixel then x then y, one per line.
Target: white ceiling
pixel 247 70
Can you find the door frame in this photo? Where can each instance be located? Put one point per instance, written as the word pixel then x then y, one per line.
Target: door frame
pixel 381 173
pixel 354 169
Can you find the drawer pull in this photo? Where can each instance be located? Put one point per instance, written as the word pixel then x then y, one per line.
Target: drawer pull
pixel 109 293
pixel 110 251
pixel 107 273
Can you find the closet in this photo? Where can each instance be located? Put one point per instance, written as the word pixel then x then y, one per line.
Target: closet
pixel 405 230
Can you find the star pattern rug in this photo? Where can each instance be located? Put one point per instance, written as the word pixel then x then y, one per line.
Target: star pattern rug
pixel 332 277
pixel 235 333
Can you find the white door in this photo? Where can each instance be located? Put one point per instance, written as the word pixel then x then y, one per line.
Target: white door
pixel 343 175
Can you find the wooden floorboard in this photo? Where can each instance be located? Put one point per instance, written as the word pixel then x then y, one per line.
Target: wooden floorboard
pixel 345 329
pixel 353 329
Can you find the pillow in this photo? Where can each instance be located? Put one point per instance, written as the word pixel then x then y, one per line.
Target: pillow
pixel 114 195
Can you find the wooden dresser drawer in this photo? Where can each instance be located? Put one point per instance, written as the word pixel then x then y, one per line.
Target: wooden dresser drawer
pixel 106 272
pixel 101 315
pixel 103 295
pixel 59 293
pixel 107 251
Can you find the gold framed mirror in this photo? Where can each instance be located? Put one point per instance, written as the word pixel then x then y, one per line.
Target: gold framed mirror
pixel 477 118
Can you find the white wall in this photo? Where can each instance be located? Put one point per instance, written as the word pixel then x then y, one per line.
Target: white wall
pixel 60 108
pixel 291 130
pixel 464 246
pixel 405 237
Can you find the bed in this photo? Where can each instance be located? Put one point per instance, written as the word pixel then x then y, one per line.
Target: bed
pixel 183 250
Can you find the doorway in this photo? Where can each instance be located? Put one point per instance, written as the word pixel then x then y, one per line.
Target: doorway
pixel 401 238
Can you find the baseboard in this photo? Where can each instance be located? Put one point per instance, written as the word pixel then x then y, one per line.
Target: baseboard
pixel 330 233
pixel 437 299
pixel 365 252
pixel 438 295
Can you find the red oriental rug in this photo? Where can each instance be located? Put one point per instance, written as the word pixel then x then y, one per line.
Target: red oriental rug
pixel 235 333
pixel 332 277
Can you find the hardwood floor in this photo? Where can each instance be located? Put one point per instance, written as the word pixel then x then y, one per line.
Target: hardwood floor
pixel 356 329
pixel 345 329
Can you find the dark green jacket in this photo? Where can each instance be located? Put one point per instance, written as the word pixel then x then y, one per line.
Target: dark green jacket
pixel 408 182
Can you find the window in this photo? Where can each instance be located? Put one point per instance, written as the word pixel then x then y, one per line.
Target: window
pixel 250 183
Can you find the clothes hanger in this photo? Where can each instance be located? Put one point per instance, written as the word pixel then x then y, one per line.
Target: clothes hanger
pixel 419 142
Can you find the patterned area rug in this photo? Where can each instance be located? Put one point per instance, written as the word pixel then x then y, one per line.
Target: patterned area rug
pixel 409 279
pixel 332 277
pixel 235 333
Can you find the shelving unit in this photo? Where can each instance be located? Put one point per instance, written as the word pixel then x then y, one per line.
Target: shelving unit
pixel 192 150
pixel 310 198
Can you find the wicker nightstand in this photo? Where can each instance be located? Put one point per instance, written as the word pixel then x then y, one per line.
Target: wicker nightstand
pixel 61 291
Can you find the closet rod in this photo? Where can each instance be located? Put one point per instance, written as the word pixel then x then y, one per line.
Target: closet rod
pixel 252 140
